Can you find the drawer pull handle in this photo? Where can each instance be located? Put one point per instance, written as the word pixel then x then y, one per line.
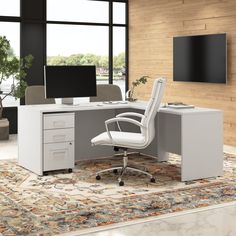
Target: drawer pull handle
pixel 59 137
pixel 59 123
pixel 59 154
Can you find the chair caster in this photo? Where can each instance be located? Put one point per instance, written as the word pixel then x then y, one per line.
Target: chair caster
pixel 98 177
pixel 152 180
pixel 121 183
pixel 70 170
pixel 115 171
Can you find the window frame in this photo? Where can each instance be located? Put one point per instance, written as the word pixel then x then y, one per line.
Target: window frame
pixel 110 26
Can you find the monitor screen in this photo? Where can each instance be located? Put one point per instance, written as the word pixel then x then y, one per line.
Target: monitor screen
pixel 200 58
pixel 70 81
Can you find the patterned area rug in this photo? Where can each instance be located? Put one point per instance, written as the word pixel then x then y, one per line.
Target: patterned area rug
pixel 64 202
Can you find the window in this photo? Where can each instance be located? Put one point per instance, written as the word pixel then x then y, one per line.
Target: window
pixel 77 11
pixel 119 56
pixel 10 29
pixel 10 8
pixel 119 13
pixel 97 29
pixel 84 34
pixel 79 45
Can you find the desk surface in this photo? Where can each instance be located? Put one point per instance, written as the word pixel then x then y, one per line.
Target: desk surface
pixel 141 105
pixel 186 111
pixel 84 106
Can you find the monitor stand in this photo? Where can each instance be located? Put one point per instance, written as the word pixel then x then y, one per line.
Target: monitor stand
pixel 67 101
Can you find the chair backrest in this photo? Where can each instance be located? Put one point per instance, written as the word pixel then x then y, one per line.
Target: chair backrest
pixel 35 94
pixel 152 108
pixel 107 92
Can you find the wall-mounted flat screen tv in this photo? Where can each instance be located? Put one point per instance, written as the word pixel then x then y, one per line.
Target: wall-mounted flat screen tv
pixel 200 58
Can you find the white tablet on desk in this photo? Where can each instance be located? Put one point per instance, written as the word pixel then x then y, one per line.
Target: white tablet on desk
pixel 180 106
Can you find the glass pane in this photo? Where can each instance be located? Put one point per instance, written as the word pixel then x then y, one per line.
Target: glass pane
pixel 10 8
pixel 77 10
pixel 12 33
pixel 119 67
pixel 119 13
pixel 79 45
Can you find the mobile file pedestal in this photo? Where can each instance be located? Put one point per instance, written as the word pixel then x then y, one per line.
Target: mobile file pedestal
pixel 58 141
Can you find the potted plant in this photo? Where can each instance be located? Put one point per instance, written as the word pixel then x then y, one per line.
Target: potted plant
pixel 137 82
pixel 15 68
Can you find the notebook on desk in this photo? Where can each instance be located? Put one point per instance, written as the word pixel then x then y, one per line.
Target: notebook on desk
pixel 178 105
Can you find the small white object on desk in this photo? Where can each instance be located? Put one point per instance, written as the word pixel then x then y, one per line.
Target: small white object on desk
pixel 177 105
pixel 183 106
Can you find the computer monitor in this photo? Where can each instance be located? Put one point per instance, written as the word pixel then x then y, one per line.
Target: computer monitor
pixel 70 81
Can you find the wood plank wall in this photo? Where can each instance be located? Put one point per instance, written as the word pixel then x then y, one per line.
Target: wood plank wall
pixel 154 23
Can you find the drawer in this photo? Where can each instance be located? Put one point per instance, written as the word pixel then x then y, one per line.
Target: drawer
pixel 58 156
pixel 59 120
pixel 59 135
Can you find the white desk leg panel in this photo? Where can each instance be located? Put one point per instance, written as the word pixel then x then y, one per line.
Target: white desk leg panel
pixel 202 145
pixel 197 137
pixel 30 140
pixel 168 135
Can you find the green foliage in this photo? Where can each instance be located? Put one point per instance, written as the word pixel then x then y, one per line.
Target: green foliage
pixel 11 66
pixel 73 59
pixel 88 59
pixel 103 62
pixel 19 89
pixel 137 82
pixel 7 67
pixel 141 80
pixel 58 60
pixel 119 61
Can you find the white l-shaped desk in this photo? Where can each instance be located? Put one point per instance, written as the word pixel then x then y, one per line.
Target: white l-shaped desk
pixel 53 136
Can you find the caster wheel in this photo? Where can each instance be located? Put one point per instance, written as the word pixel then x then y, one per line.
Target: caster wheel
pixel 115 171
pixel 98 177
pixel 152 180
pixel 70 170
pixel 121 183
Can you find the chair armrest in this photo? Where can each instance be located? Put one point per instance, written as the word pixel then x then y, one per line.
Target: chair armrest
pixel 124 119
pixel 130 114
pixel 125 114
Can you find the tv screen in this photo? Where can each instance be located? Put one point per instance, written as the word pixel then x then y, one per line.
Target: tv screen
pixel 70 81
pixel 200 58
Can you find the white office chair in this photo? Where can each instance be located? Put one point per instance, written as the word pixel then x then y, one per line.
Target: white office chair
pixel 107 92
pixel 125 140
pixel 35 94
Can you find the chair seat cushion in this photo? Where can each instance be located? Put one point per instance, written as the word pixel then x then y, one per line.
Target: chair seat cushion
pixel 120 139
